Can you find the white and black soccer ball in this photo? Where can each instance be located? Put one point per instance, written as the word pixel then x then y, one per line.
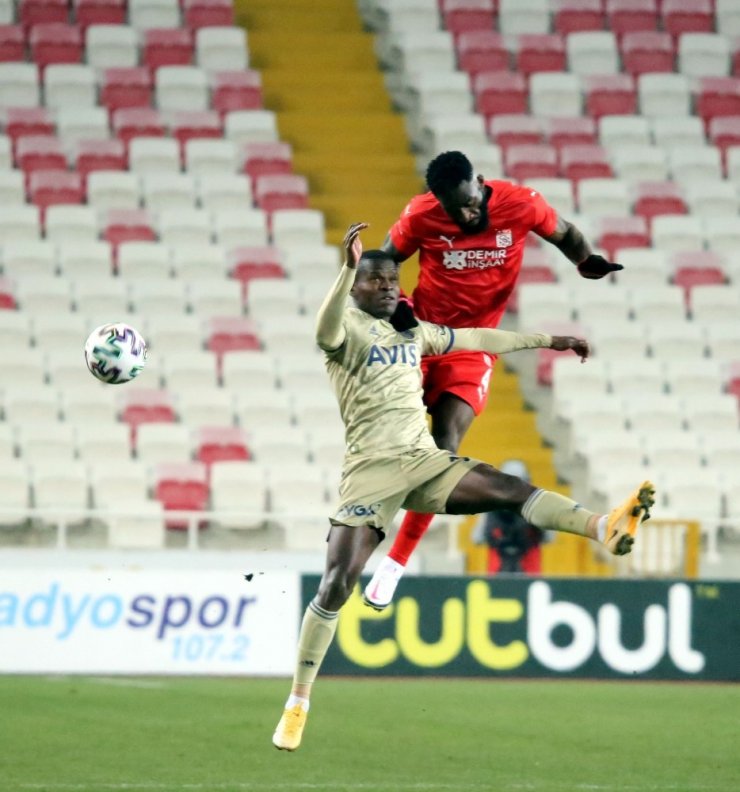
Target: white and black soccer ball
pixel 115 353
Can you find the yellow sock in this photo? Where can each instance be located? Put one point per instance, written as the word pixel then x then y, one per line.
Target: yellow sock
pixel 317 632
pixel 549 510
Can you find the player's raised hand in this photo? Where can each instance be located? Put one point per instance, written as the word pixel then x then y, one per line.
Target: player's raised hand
pixel 595 267
pixel 578 345
pixel 353 245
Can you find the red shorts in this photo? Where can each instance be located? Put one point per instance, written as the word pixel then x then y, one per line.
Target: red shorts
pixel 467 375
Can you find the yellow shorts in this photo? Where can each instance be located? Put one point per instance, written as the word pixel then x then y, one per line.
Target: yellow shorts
pixel 374 488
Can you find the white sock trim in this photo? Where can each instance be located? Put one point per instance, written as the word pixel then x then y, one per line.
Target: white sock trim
pixel 294 700
pixel 530 502
pixel 601 527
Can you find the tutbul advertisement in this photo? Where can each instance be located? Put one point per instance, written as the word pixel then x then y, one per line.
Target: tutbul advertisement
pixel 649 629
pixel 148 622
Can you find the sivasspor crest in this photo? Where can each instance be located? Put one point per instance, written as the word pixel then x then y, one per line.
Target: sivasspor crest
pixel 504 238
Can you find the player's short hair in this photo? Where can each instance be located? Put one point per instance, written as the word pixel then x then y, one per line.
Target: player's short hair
pixel 371 255
pixel 447 170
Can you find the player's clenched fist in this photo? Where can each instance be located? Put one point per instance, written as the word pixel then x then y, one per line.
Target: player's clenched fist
pixel 595 267
pixel 564 343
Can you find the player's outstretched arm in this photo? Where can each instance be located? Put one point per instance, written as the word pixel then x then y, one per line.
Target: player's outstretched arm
pixel 330 332
pixel 572 243
pixel 499 342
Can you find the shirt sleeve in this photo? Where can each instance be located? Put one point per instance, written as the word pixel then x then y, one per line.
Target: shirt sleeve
pixel 402 234
pixel 435 339
pixel 544 218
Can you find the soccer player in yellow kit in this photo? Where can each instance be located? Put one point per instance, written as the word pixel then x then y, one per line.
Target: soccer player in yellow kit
pixel 391 459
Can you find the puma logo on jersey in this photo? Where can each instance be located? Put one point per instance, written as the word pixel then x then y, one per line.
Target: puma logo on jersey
pixel 390 355
pixel 448 240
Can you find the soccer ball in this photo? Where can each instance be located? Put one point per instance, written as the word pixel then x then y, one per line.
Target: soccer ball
pixel 115 353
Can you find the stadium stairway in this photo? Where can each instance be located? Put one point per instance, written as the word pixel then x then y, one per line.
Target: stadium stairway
pixel 320 75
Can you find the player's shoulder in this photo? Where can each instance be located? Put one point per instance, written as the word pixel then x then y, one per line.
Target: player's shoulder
pixel 420 205
pixel 513 193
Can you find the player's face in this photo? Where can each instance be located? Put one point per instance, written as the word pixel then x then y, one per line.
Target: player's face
pixel 376 288
pixel 466 205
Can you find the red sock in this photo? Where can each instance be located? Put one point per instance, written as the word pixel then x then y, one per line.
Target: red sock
pixel 413 527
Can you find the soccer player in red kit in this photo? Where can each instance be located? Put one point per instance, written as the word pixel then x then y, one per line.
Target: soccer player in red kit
pixel 470 234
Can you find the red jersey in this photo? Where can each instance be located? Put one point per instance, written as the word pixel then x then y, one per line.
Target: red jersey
pixel 465 280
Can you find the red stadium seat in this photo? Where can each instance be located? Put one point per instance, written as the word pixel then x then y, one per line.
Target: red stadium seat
pixel 195 124
pixel 500 92
pixel 515 130
pixel 610 94
pixel 208 13
pixel 281 191
pixel 40 152
pixel 146 405
pixel 689 278
pixel 167 47
pixel 231 333
pixel 181 486
pixel 531 162
pixel 579 131
pixel 647 52
pixel 126 87
pixel 541 52
pixel 573 16
pixel 49 187
pixel 28 122
pixel 461 16
pixel 248 263
pixel 128 225
pixel 631 16
pixel 724 131
pixel 131 122
pixel 7 297
pixel 482 51
pixel 687 16
pixel 718 96
pixel 99 12
pixel 12 44
pixel 622 232
pixel 35 12
pixel 95 155
pixel 236 90
pixel 267 159
pixel 55 42
pixel 584 162
pixel 658 198
pixel 735 50
pixel 535 273
pixel 221 444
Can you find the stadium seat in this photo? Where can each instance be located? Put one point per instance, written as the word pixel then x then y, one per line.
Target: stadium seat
pixel 48 187
pixel 69 84
pixel 221 444
pixel 722 234
pixel 112 46
pixel 113 190
pixel 524 162
pixel 248 263
pixel 127 225
pixel 630 16
pixel 26 260
pixel 18 223
pixel 35 12
pixel 572 16
pixel 181 486
pixel 557 192
pixel 190 367
pixel 19 85
pixel 482 50
pixel 145 530
pixel 183 227
pixel 61 491
pixel 71 224
pixel 206 407
pixel 680 339
pixel 12 43
pixel 80 258
pixel 251 126
pixel 658 198
pixel 687 16
pixel 15 491
pixel 55 42
pixel 153 155
pixel 297 483
pixel 29 406
pixel 463 16
pixel 647 52
pixel 81 123
pixel 236 90
pixel 101 296
pixel 12 187
pixel 203 157
pixel 671 131
pixel 497 93
pixel 640 163
pixel 239 227
pixel 714 302
pixel 584 162
pixel 276 445
pixel 622 232
pixel 268 297
pixel 208 13
pixel 664 94
pixel 555 94
pixel 181 88
pixel 579 131
pixel 166 47
pixel 712 198
pixel 507 129
pixel 126 87
pixel 216 298
pixel 718 96
pixel 221 48
pixel 168 191
pixel 540 53
pixel 198 262
pixel 133 122
pixel 220 191
pixel 40 152
pixel 230 334
pixel 99 12
pixel 28 121
pixel 281 191
pixel 138 260
pixel 186 126
pixel 239 488
pixel 624 130
pixel 147 14
pixel 664 303
pixel 99 155
pixel 704 55
pixel 592 52
pixel 103 446
pixel 297 226
pixel 167 332
pixel 678 232
pixel 610 95
pixel 7 298
pixel 162 442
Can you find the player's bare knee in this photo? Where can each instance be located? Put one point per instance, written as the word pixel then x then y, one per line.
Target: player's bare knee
pixel 335 588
